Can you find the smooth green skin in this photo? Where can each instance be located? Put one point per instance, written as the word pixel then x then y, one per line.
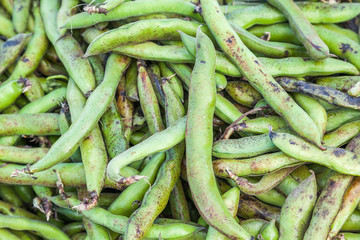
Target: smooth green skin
pixel 178 203
pixel 260 125
pixel 342 83
pixel 303 29
pixel 12 210
pixel 199 136
pixel 9 92
pixel 41 105
pixel 253 226
pixel 20 15
pixel 8 5
pixel 328 204
pixel 339 117
pixel 35 49
pixel 264 14
pixel 11 49
pixel 243 93
pixel 43 229
pixel 117 223
pixel 338 159
pixel 254 72
pixel 94 108
pixel 279 32
pixel 6 234
pixel 269 49
pixel 149 101
pixel 287 185
pixel 95 231
pixel 353 222
pixel 23 235
pixel 124 204
pixel 67 48
pixel 243 147
pixel 342 135
pixel 350 236
pixel 231 200
pixel 340 45
pixel 29 124
pixel 264 164
pixel 141 31
pixel 72 175
pixel 158 142
pixel 8 194
pixel 25 193
pixel 330 95
pixel 132 9
pixel 131 82
pixel 66 10
pixel 157 197
pixel 269 231
pixel 175 82
pixel 42 191
pixel 315 110
pixel 267 182
pixel 73 228
pixel 250 207
pixel 79 236
pixel 21 155
pixel 7 27
pixel 296 211
pixel 93 151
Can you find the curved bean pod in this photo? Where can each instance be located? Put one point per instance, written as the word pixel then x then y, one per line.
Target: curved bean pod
pixel 21 155
pixel 269 231
pixel 243 93
pixel 131 9
pixel 253 226
pixel 66 10
pixel 11 90
pixel 339 117
pixel 341 83
pixel 20 14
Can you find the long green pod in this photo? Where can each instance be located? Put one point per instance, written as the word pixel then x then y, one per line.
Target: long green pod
pixel 131 82
pixel 178 203
pixel 35 49
pixel 148 100
pixel 339 117
pixel 8 29
pixel 10 209
pixel 174 81
pixel 315 110
pixel 131 9
pixel 95 231
pixel 330 95
pixel 29 124
pixel 199 133
pixel 21 155
pixel 303 29
pixel 266 183
pixel 155 77
pixel 315 12
pixel 126 109
pixel 269 231
pixel 157 197
pixel 158 142
pixel 261 124
pixel 254 72
pixel 42 228
pixel 117 223
pixel 296 212
pixel 67 9
pixel 6 234
pixel 253 226
pixel 67 48
pixel 231 199
pixel 11 90
pixel 8 194
pixel 110 4
pixel 36 91
pixel 125 203
pixel 79 130
pixel 243 93
pixel 141 31
pixel 11 49
pixel 342 83
pixel 259 165
pixel 20 15
pixel 338 159
pixel 327 206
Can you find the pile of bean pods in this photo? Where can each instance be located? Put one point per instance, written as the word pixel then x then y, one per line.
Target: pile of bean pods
pixel 179 119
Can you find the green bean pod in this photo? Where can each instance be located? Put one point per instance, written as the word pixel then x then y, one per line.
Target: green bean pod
pixel 253 226
pixel 178 203
pixel 11 49
pixel 339 117
pixel 8 194
pixel 269 231
pixel 8 29
pixel 338 159
pixel 199 141
pixel 11 90
pixel 341 83
pixel 35 91
pixel 153 71
pixel 25 193
pixel 131 9
pixel 6 234
pixel 131 82
pixel 67 9
pixel 126 109
pixel 255 74
pixel 68 49
pixel 35 50
pixel 103 94
pixel 117 223
pixel 95 231
pixel 243 93
pixel 73 228
pixel 21 155
pixel 43 229
pixel 327 206
pixel 174 81
pixel 296 212
pixel 29 124
pixel 261 124
pixel 20 15
pixel 110 4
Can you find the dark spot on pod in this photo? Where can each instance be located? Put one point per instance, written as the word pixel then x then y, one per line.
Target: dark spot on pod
pixel 311 196
pixel 198 45
pixel 292 142
pixel 11 43
pixel 306 59
pixel 25 59
pixel 286 53
pixel 202 61
pixel 12 209
pixel 331 183
pixel 345 47
pixel 229 40
pixel 20 8
pixel 338 152
pixel 256 61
